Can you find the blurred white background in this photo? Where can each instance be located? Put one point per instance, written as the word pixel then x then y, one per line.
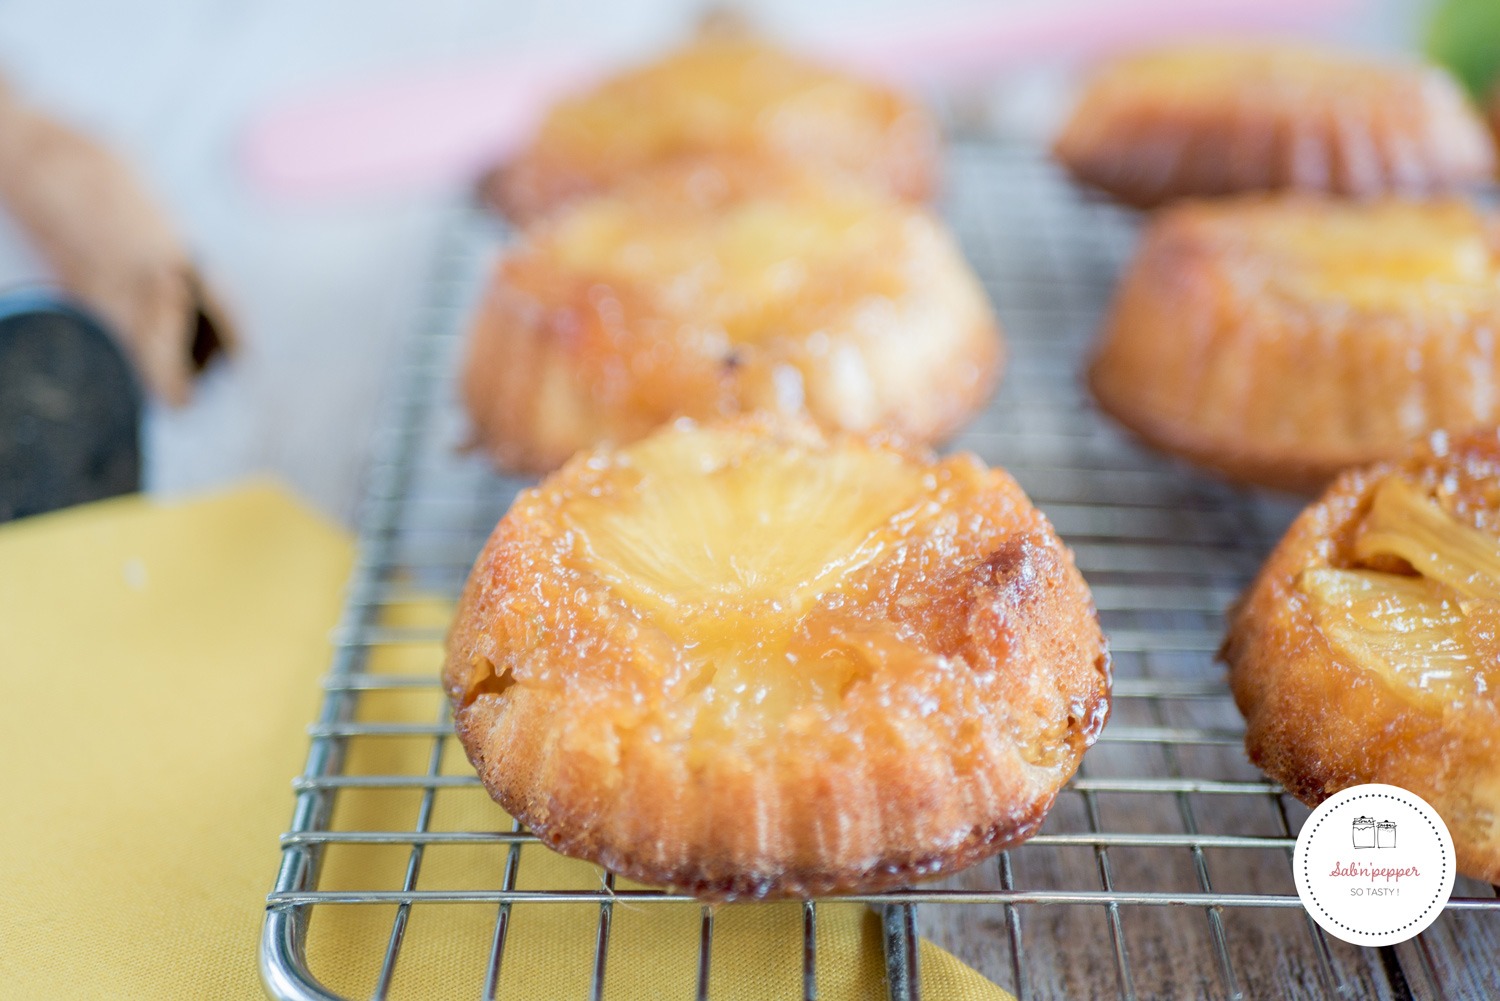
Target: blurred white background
pixel 323 288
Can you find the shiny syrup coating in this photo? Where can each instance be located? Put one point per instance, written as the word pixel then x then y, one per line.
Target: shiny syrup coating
pixel 756 660
pixel 1280 339
pixel 1320 718
pixel 720 286
pixel 1210 120
pixel 718 96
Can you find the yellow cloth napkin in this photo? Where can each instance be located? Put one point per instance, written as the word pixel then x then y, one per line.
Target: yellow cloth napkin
pixel 158 666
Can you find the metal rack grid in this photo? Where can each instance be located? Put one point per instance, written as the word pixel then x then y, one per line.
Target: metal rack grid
pixel 1164 868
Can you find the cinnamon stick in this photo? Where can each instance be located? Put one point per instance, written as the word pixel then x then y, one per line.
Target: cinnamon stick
pixel 111 246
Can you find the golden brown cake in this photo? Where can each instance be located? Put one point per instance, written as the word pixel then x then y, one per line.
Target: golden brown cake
pixel 755 660
pixel 1278 340
pixel 721 96
pixel 1214 120
pixel 724 286
pixel 1368 649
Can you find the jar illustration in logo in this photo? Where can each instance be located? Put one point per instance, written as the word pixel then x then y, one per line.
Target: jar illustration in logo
pixel 1364 832
pixel 1385 834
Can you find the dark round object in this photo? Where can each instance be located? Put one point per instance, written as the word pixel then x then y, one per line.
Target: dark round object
pixel 70 408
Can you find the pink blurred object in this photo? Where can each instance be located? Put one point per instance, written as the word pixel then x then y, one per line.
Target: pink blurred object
pixel 410 131
pixel 440 128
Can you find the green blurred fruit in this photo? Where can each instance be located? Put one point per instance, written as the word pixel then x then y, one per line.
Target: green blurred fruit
pixel 1464 35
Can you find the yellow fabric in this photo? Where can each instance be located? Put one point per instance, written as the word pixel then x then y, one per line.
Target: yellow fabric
pixel 158 666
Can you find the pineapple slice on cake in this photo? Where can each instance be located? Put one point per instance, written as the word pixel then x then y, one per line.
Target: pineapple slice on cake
pixel 1368 648
pixel 758 659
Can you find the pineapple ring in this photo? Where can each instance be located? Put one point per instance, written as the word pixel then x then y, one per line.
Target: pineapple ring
pixel 720 95
pixel 1368 649
pixel 720 287
pixel 753 660
pixel 1278 340
pixel 1216 120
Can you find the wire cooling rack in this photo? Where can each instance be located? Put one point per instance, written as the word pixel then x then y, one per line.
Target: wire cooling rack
pixel 1164 868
